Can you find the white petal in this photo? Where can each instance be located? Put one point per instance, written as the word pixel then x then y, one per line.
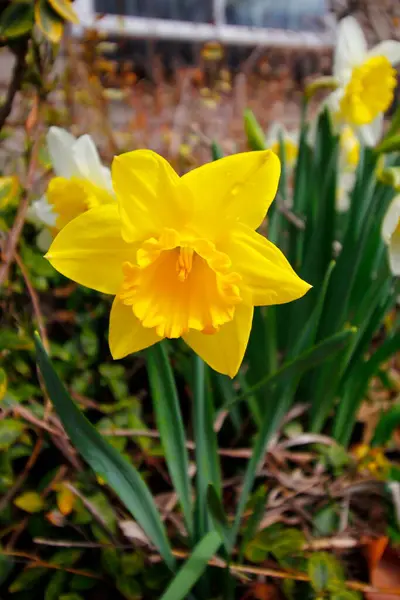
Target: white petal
pixel 345 185
pixel 394 253
pixel 43 211
pixel 391 220
pixel 60 144
pixel 388 48
pixel 371 134
pixel 88 161
pixel 108 179
pixel 351 47
pixel 275 130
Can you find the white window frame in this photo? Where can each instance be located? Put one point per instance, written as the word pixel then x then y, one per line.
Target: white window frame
pixel 147 28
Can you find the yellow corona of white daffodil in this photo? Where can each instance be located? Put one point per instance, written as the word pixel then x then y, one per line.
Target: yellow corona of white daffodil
pixel 349 156
pixel 290 141
pixel 181 254
pixel 391 234
pixel 366 80
pixel 81 181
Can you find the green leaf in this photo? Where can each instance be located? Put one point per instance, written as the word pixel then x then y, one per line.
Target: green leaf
pixel 129 588
pixel 48 21
pixel 65 10
pixel 388 422
pixel 170 425
pixel 6 566
pixel 71 597
pixel 323 570
pixel 16 20
pixel 307 360
pixel 56 585
pixel 216 151
pixel 122 477
pixel 255 134
pixel 27 579
pixel 10 431
pixel 274 413
pixel 66 558
pixel 193 568
pixel 30 502
pixel 343 594
pixel 218 514
pixel 275 540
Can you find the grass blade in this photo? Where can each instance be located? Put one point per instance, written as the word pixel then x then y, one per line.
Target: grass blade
pixel 194 567
pixel 121 476
pixel 170 425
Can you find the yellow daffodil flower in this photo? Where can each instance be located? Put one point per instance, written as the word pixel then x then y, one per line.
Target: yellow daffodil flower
pixel 181 254
pixel 366 80
pixel 290 140
pixel 391 234
pixel 81 181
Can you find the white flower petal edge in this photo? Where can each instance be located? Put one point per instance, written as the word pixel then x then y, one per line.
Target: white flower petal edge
pixel 88 161
pixel 274 131
pixel 351 48
pixel 345 185
pixel 391 234
pixel 388 48
pixel 42 212
pixel 371 134
pixel 60 144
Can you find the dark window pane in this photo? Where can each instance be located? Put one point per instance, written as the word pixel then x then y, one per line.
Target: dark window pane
pixel 197 11
pixel 282 14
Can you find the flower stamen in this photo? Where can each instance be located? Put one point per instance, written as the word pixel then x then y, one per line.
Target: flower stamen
pixel 184 263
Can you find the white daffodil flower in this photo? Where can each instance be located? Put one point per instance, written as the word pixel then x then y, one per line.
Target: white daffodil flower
pixel 366 80
pixel 290 140
pixel 349 156
pixel 391 234
pixel 81 181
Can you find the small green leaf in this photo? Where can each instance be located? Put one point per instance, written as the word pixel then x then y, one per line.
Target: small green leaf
pixel 388 422
pixel 194 567
pixel 48 21
pixel 255 135
pixel 55 585
pixel 216 151
pixel 66 558
pixel 10 431
pixel 277 540
pixel 129 588
pixel 30 502
pixel 16 20
pixel 27 579
pixel 65 10
pixel 323 570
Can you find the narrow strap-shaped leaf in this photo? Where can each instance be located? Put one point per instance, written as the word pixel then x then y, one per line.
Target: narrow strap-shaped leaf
pixel 273 416
pixel 306 360
pixel 200 437
pixel 170 425
pixel 218 514
pixel 105 460
pixel 388 422
pixel 194 567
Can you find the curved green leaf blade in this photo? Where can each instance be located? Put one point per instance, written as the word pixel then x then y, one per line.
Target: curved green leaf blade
pixel 16 20
pixel 121 476
pixel 193 568
pixel 170 426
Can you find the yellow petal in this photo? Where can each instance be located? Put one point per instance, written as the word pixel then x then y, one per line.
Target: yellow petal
pixel 224 350
pixel 91 251
pixel 267 276
pixel 239 188
pixel 147 191
pixel 127 334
